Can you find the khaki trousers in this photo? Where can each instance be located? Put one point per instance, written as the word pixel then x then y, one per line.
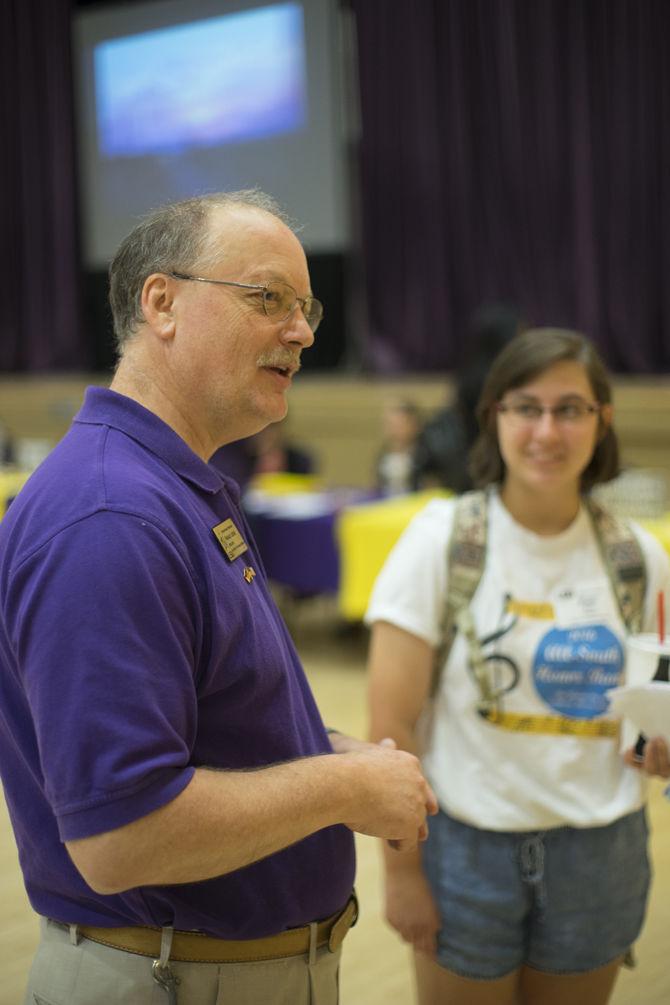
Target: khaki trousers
pixel 71 971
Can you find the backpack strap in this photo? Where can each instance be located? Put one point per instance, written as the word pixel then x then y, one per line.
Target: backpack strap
pixel 624 561
pixel 466 555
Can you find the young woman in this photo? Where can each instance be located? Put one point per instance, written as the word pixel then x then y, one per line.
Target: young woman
pixel 533 883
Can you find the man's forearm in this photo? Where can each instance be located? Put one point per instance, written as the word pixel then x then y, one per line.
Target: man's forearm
pixel 225 820
pixel 221 821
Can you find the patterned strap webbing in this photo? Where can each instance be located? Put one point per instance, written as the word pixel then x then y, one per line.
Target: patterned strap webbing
pixel 624 561
pixel 466 555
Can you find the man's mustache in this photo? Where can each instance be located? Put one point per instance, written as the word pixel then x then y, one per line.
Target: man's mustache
pixel 281 361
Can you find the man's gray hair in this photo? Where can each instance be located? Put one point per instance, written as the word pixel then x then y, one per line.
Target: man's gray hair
pixel 174 237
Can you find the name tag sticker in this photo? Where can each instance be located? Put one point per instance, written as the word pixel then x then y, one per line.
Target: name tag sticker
pixel 528 609
pixel 230 539
pixel 582 605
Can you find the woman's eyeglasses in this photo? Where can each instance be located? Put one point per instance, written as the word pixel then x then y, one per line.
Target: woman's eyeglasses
pixel 529 413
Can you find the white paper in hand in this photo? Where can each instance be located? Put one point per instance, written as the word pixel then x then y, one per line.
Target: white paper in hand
pixel 645 708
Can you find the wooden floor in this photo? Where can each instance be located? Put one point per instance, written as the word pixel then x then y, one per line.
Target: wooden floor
pixel 376 968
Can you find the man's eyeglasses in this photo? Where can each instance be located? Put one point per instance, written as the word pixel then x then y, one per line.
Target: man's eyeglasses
pixel 279 299
pixel 529 413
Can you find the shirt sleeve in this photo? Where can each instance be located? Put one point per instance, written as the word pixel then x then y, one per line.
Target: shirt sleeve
pixel 107 629
pixel 410 591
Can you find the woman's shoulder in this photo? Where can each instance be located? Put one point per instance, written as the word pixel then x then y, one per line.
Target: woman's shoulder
pixel 428 530
pixel 437 514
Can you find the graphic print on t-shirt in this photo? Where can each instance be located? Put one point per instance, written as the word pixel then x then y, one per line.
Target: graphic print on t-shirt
pixel 493 673
pixel 573 668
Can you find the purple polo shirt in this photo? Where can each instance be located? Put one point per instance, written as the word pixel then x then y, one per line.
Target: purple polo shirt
pixel 132 650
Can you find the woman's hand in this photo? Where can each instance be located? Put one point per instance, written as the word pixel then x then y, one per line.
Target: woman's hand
pixel 655 760
pixel 411 910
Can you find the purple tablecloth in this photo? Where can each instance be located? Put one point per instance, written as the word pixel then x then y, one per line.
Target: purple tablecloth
pixel 300 551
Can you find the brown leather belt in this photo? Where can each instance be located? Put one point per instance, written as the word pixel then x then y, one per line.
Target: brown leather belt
pixel 194 947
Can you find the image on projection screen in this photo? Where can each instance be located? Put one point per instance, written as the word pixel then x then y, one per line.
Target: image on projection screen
pixel 182 97
pixel 221 80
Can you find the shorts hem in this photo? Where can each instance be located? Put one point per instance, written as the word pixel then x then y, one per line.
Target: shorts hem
pixel 584 970
pixel 458 972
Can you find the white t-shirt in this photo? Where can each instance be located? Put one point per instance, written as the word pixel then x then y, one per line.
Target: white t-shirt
pixel 558 659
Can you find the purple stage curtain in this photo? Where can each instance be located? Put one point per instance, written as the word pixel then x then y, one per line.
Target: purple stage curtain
pixel 39 316
pixel 515 151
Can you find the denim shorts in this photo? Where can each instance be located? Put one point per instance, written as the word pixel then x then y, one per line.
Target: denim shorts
pixel 564 901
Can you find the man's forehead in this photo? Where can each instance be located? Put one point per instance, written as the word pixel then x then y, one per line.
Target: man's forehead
pixel 246 227
pixel 256 241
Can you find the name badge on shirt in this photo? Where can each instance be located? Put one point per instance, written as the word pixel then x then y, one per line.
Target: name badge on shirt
pixel 230 539
pixel 582 605
pixel 528 609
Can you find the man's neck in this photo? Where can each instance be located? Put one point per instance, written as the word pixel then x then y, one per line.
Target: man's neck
pixel 133 381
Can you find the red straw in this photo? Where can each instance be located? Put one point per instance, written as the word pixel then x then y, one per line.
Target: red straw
pixel 661 617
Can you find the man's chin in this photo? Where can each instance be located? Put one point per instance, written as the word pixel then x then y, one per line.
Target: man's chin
pixel 273 411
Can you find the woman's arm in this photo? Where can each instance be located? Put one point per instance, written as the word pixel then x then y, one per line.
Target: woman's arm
pixel 401 669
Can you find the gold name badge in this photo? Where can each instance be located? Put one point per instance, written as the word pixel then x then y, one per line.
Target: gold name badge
pixel 230 539
pixel 526 609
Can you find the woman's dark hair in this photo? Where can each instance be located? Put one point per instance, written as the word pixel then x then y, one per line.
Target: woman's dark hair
pixel 524 358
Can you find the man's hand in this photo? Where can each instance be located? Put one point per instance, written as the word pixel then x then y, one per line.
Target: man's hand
pixel 344 744
pixel 392 796
pixel 656 758
pixel 410 908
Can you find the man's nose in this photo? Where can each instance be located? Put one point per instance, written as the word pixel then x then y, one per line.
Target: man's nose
pixel 295 329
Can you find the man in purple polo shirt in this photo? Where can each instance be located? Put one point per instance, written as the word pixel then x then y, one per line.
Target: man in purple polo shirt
pixel 184 820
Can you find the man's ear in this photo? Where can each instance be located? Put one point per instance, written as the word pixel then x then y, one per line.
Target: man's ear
pixel 158 304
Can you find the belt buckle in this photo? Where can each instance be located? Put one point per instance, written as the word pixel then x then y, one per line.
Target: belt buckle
pixel 346 920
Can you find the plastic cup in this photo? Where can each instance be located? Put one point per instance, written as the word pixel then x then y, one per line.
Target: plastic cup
pixel 643 653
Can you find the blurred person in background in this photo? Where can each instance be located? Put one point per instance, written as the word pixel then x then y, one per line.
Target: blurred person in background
pixel 266 452
pixel 394 470
pixel 274 452
pixel 442 447
pixel 7 451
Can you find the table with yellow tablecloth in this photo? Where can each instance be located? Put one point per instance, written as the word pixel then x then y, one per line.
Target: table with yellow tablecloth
pixel 11 483
pixel 367 533
pixel 660 528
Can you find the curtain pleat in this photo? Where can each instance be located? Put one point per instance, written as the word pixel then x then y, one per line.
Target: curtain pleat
pixel 40 327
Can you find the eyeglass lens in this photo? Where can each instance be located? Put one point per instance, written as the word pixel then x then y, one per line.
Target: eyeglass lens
pixel 569 412
pixel 280 301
